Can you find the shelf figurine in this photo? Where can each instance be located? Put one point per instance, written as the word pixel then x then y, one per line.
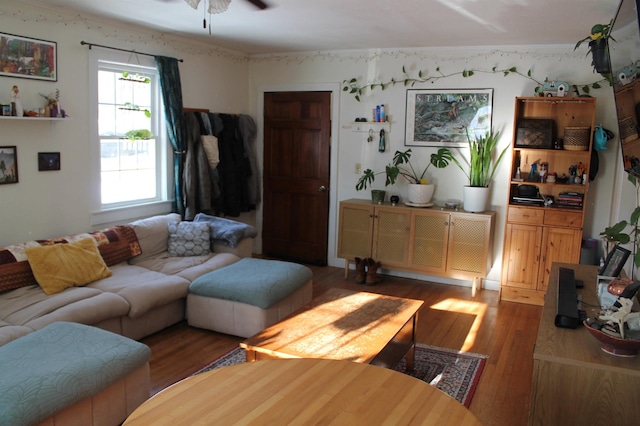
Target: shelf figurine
pixel 15 100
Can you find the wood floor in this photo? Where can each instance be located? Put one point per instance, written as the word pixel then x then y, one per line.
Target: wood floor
pixel 450 318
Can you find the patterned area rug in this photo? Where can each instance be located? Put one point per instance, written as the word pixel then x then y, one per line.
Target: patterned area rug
pixel 453 372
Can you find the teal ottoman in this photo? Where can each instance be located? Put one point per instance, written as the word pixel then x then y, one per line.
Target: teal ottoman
pixel 248 296
pixel 68 374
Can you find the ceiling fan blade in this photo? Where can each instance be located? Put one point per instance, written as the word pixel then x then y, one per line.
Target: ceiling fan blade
pixel 259 4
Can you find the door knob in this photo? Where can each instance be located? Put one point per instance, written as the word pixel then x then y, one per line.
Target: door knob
pixel 322 188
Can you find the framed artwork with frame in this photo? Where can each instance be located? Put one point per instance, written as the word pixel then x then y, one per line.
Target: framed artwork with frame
pixel 28 57
pixel 441 117
pixel 616 259
pixel 8 165
pixel 48 161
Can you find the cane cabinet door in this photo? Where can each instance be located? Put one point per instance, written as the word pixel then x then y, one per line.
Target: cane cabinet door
pixel 429 241
pixel 470 240
pixel 355 235
pixel 391 235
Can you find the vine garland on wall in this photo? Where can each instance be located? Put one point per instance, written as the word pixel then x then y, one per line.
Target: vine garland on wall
pixel 357 89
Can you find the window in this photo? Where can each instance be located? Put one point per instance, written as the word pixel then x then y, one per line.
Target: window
pixel 131 133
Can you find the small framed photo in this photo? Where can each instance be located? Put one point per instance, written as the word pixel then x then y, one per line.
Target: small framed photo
pixel 8 165
pixel 48 161
pixel 28 57
pixel 616 259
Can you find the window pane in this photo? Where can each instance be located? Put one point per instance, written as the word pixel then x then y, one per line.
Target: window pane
pixel 128 135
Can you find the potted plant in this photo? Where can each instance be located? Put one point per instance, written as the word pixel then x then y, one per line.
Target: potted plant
pixel 482 167
pixel 401 166
pixel 627 232
pixel 599 48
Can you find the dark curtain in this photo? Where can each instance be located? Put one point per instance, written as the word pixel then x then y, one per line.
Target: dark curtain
pixel 172 96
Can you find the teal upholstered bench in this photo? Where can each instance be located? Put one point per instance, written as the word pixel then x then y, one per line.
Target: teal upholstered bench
pixel 248 296
pixel 68 373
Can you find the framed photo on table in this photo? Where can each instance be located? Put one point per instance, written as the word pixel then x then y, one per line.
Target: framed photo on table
pixel 616 259
pixel 28 57
pixel 441 117
pixel 8 165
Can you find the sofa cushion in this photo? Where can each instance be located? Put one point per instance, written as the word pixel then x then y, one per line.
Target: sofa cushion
pixel 153 235
pixel 10 332
pixel 256 282
pixel 188 239
pixel 226 231
pixel 56 367
pixel 61 266
pixel 143 289
pixel 190 267
pixel 31 307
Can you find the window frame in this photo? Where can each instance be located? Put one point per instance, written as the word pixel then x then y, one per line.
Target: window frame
pixel 121 211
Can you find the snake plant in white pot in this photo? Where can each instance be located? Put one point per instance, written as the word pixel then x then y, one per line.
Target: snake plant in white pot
pixel 482 167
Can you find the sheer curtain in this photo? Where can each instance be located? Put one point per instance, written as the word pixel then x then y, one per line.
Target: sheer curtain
pixel 172 96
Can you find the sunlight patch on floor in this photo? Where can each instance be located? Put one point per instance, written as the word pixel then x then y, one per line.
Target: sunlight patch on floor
pixel 465 307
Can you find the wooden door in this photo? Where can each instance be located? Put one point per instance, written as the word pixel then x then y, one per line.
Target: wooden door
pixel 297 149
pixel 558 245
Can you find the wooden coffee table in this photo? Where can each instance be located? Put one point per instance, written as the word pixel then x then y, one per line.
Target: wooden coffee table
pixel 343 325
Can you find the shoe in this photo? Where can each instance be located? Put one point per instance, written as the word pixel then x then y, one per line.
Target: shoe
pixel 361 273
pixel 372 272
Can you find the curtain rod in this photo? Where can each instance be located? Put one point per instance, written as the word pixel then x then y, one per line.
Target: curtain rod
pixel 84 43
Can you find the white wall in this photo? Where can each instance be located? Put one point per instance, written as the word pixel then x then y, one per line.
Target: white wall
pixel 349 147
pixel 50 204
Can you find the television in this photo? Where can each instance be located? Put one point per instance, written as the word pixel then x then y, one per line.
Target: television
pixel 624 57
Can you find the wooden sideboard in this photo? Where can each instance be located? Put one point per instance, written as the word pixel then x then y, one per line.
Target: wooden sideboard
pixel 574 381
pixel 431 241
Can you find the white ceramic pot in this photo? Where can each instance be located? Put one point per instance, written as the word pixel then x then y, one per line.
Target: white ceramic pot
pixel 475 199
pixel 420 194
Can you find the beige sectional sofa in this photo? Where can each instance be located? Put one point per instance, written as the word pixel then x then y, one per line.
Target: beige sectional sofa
pixel 144 294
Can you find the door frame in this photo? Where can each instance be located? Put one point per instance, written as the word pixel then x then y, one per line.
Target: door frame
pixel 334 88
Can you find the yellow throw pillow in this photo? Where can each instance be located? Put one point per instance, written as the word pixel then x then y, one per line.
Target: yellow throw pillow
pixel 61 266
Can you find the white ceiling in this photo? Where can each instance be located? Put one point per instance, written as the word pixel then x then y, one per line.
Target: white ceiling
pixel 319 25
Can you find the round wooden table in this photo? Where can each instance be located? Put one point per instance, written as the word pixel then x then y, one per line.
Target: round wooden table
pixel 301 391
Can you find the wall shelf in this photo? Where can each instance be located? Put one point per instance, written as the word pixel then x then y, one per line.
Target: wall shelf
pixel 366 126
pixel 2 117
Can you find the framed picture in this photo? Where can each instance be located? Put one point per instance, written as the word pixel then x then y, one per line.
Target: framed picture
pixel 28 57
pixel 48 161
pixel 615 262
pixel 8 165
pixel 441 117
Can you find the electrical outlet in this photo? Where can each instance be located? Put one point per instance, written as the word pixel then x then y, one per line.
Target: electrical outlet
pixel 358 168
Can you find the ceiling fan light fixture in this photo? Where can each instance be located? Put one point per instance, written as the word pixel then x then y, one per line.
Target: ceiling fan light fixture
pixel 193 3
pixel 218 6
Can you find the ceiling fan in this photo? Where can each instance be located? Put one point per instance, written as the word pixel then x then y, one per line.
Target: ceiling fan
pixel 219 6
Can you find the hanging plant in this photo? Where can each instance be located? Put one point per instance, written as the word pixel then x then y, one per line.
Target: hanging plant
pixel 134 135
pixel 135 78
pixel 599 48
pixel 128 106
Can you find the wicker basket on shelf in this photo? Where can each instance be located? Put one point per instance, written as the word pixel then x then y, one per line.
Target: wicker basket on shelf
pixel 628 131
pixel 577 138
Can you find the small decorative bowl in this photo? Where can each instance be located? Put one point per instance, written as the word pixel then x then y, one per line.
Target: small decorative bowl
pixel 614 345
